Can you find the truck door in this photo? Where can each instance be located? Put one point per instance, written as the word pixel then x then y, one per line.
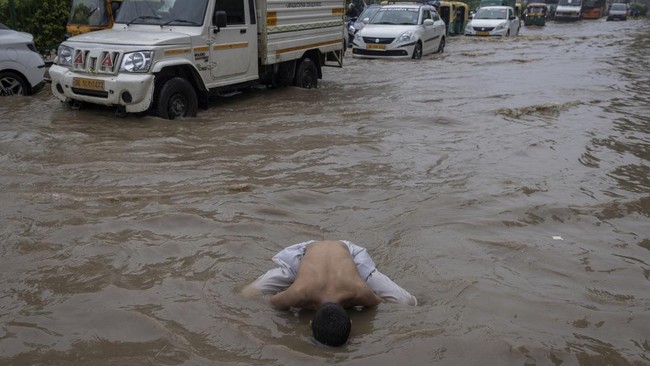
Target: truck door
pixel 233 52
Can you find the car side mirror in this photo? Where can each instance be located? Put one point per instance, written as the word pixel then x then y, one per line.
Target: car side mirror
pixel 219 20
pixel 513 17
pixel 365 20
pixel 428 22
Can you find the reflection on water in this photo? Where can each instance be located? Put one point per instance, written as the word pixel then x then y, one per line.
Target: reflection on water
pixel 504 183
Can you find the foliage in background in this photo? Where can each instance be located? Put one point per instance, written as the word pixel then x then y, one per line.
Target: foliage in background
pixel 44 19
pixel 643 8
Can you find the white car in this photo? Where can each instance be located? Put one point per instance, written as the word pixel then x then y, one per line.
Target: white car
pixel 493 21
pixel 400 31
pixel 617 11
pixel 22 70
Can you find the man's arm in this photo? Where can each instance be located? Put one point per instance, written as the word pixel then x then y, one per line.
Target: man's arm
pixel 388 290
pixel 273 281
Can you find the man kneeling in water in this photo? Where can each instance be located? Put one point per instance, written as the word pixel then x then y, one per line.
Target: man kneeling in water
pixel 327 276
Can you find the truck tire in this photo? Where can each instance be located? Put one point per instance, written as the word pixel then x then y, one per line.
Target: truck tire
pixel 307 74
pixel 176 98
pixel 12 84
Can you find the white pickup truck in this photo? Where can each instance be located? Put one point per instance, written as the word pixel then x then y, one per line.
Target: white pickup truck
pixel 168 56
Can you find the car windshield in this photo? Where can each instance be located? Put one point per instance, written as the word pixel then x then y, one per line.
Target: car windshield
pixel 401 16
pixel 369 12
pixel 485 13
pixel 619 7
pixel 162 12
pixel 88 12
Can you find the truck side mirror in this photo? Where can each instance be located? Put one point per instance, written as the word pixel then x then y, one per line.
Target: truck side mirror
pixel 219 20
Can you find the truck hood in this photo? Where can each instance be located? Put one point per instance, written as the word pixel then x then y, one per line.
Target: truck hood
pixel 132 38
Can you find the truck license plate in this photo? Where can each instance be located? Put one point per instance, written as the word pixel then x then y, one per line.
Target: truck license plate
pixel 376 47
pixel 482 33
pixel 88 84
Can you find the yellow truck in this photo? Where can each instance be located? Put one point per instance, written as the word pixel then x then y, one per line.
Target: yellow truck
pixel 91 15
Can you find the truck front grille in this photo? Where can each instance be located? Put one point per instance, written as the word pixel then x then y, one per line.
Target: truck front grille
pixel 95 61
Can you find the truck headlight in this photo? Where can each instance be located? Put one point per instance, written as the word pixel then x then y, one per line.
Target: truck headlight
pixel 139 61
pixel 64 56
pixel 406 36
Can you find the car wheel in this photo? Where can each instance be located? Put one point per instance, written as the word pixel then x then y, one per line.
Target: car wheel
pixel 441 45
pixel 176 98
pixel 417 51
pixel 507 33
pixel 12 83
pixel 307 74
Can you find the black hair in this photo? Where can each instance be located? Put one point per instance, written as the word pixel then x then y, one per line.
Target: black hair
pixel 331 324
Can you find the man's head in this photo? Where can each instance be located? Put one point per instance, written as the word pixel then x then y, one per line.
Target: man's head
pixel 331 324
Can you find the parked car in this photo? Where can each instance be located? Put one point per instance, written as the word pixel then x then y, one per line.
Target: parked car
pixel 22 70
pixel 400 31
pixel 356 24
pixel 493 21
pixel 617 11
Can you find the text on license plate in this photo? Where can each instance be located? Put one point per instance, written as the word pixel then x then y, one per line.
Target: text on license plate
pixel 376 47
pixel 482 33
pixel 89 84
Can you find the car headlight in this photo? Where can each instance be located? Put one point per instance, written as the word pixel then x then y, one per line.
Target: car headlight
pixel 357 36
pixel 500 27
pixel 64 55
pixel 406 36
pixel 139 61
pixel 469 27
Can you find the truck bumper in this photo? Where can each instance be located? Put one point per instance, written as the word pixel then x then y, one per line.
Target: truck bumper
pixel 132 91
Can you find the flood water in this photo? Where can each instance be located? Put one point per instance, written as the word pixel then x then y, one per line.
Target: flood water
pixel 505 183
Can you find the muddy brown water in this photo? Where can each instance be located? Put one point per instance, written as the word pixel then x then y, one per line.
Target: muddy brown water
pixel 505 183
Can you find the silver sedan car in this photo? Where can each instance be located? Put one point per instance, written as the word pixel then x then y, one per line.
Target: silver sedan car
pixel 400 31
pixel 493 21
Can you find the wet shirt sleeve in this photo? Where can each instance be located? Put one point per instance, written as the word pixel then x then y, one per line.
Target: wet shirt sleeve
pixel 281 277
pixel 388 290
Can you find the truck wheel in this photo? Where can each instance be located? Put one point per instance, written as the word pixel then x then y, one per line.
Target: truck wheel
pixel 307 74
pixel 12 84
pixel 176 98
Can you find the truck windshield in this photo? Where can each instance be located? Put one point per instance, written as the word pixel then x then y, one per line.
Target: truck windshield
pixel 570 2
pixel 88 12
pixel 162 12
